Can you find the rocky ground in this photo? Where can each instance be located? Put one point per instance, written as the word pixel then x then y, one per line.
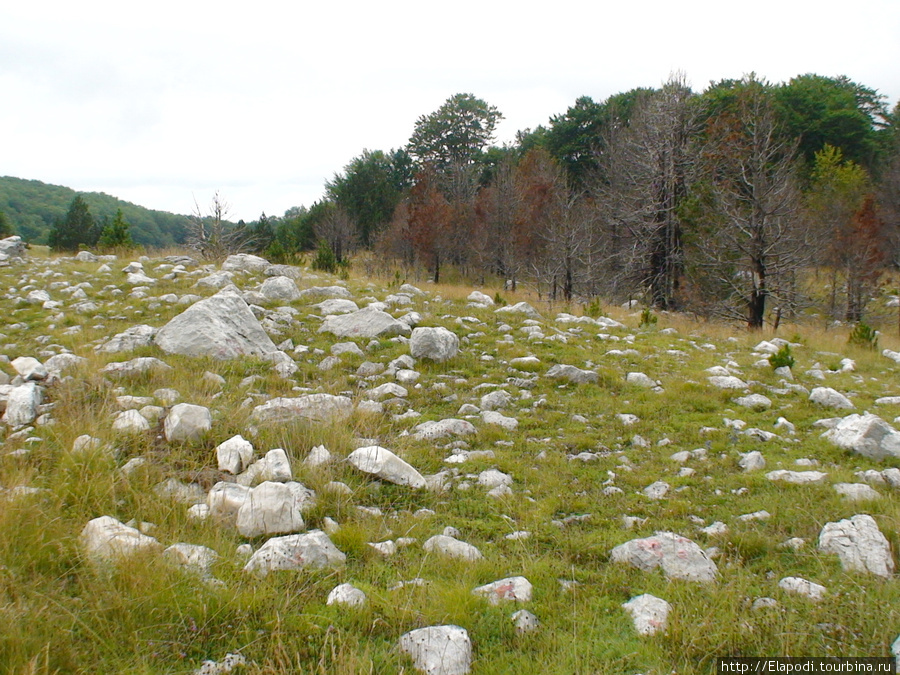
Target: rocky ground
pixel 250 468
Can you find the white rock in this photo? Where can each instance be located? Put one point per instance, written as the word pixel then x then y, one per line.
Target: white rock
pixel 679 557
pixel 274 508
pixel 244 262
pixel 496 400
pixel 439 650
pixel 572 374
pixel 280 289
pixel 649 613
pixel 829 398
pixel 192 556
pixel 525 622
pixel 234 455
pixel 500 420
pixel 29 368
pixel 752 461
pixel 135 367
pixel 318 456
pixel 452 548
pixel 225 500
pixel 274 466
pixel 727 382
pixel 384 464
pixel 856 492
pixel 867 435
pixel 859 544
pixel 435 344
pixel 800 586
pixel 312 407
pixel 447 427
pixel 754 402
pixel 387 390
pixel 295 551
pixel 657 490
pixel 346 594
pixel 186 422
pixel 130 422
pixel 480 298
pixel 129 340
pixel 797 477
pixel 106 539
pixel 22 404
pixel 511 588
pixel 640 380
pixel 493 478
pixel 364 323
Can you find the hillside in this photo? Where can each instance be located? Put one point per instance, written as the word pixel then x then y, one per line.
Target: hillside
pixel 552 493
pixel 33 206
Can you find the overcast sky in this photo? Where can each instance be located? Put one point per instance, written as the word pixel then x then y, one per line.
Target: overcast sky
pixel 166 102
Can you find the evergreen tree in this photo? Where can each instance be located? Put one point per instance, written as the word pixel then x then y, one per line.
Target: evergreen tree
pixel 75 230
pixel 116 234
pixel 6 228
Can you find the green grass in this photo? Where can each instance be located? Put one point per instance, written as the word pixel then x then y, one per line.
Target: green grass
pixel 63 614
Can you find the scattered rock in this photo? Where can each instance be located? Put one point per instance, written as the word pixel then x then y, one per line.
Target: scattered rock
pixel 386 465
pixel 867 435
pixel 105 539
pixel 346 594
pixel 295 551
pixel 452 548
pixel 364 323
pixel 435 344
pixel 829 398
pixel 800 586
pixel 511 588
pixel 439 650
pixel 859 544
pixel 186 423
pixel 313 407
pixel 572 374
pixel 274 508
pixel 649 613
pixel 679 557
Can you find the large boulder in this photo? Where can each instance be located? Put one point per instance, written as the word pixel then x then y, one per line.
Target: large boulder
pixel 830 398
pixel 187 422
pixel 12 247
pixel 274 508
pixel 244 262
pixel 22 404
pixel 866 434
pixel 439 650
pixel 280 289
pixel 314 407
pixel 295 551
pixel 106 539
pixel 679 557
pixel 129 340
pixel 221 326
pixel 368 322
pixel 859 544
pixel 384 464
pixel 435 344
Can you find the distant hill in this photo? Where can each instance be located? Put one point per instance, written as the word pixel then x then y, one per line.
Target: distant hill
pixel 32 207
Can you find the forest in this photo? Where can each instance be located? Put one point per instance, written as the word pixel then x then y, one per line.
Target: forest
pixel 717 203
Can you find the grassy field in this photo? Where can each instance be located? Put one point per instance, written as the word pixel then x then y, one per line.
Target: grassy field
pixel 60 613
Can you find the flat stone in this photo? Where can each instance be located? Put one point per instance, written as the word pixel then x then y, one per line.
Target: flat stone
pixel 384 464
pixel 572 374
pixel 364 323
pixel 312 407
pixel 517 589
pixel 797 477
pixel 800 586
pixel 679 557
pixel 295 551
pixel 439 650
pixel 859 544
pixel 829 398
pixel 107 539
pixel 452 548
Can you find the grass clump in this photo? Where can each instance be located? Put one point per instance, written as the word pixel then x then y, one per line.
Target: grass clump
pixel 863 335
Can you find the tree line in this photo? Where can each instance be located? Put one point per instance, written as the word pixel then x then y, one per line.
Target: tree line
pixel 717 202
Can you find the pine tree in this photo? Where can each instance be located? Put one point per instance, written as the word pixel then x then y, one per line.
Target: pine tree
pixel 75 230
pixel 116 235
pixel 6 228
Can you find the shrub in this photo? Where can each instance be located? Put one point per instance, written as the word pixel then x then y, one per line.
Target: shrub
pixel 593 309
pixel 863 335
pixel 648 318
pixel 325 260
pixel 782 358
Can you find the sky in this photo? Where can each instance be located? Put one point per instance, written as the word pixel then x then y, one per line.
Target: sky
pixel 166 103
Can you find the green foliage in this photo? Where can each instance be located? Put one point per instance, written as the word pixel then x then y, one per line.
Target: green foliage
pixel 456 133
pixel 498 299
pixel 325 260
pixel 648 318
pixel 34 207
pixel 594 309
pixel 782 358
pixel 6 228
pixel 116 235
pixel 78 229
pixel 863 335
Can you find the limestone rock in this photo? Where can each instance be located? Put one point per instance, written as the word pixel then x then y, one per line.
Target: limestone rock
pixel 22 404
pixel 754 402
pixel 511 588
pixel 130 422
pixel 225 500
pixel 640 380
pixel 29 368
pixel 244 262
pixel 859 544
pixel 451 547
pixel 364 323
pixel 679 557
pixel 107 539
pixel 447 427
pixel 295 551
pixel 234 455
pixel 274 508
pixel 439 650
pixel 727 382
pixel 752 461
pixel 186 422
pixel 386 465
pixel 867 435
pixel 280 289
pixel 649 613
pixel 221 326
pixel 336 306
pixel 313 407
pixel 129 340
pixel 829 398
pixel 135 367
pixel 192 556
pixel 500 420
pixel 346 594
pixel 274 466
pixel 572 374
pixel 435 344
pixel 797 477
pixel 800 586
pixel 519 308
pixel 856 492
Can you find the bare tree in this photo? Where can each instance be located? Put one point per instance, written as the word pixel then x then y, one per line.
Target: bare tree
pixel 755 243
pixel 211 235
pixel 338 230
pixel 647 172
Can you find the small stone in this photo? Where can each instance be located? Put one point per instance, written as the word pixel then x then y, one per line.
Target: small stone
pixel 649 613
pixel 799 586
pixel 439 650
